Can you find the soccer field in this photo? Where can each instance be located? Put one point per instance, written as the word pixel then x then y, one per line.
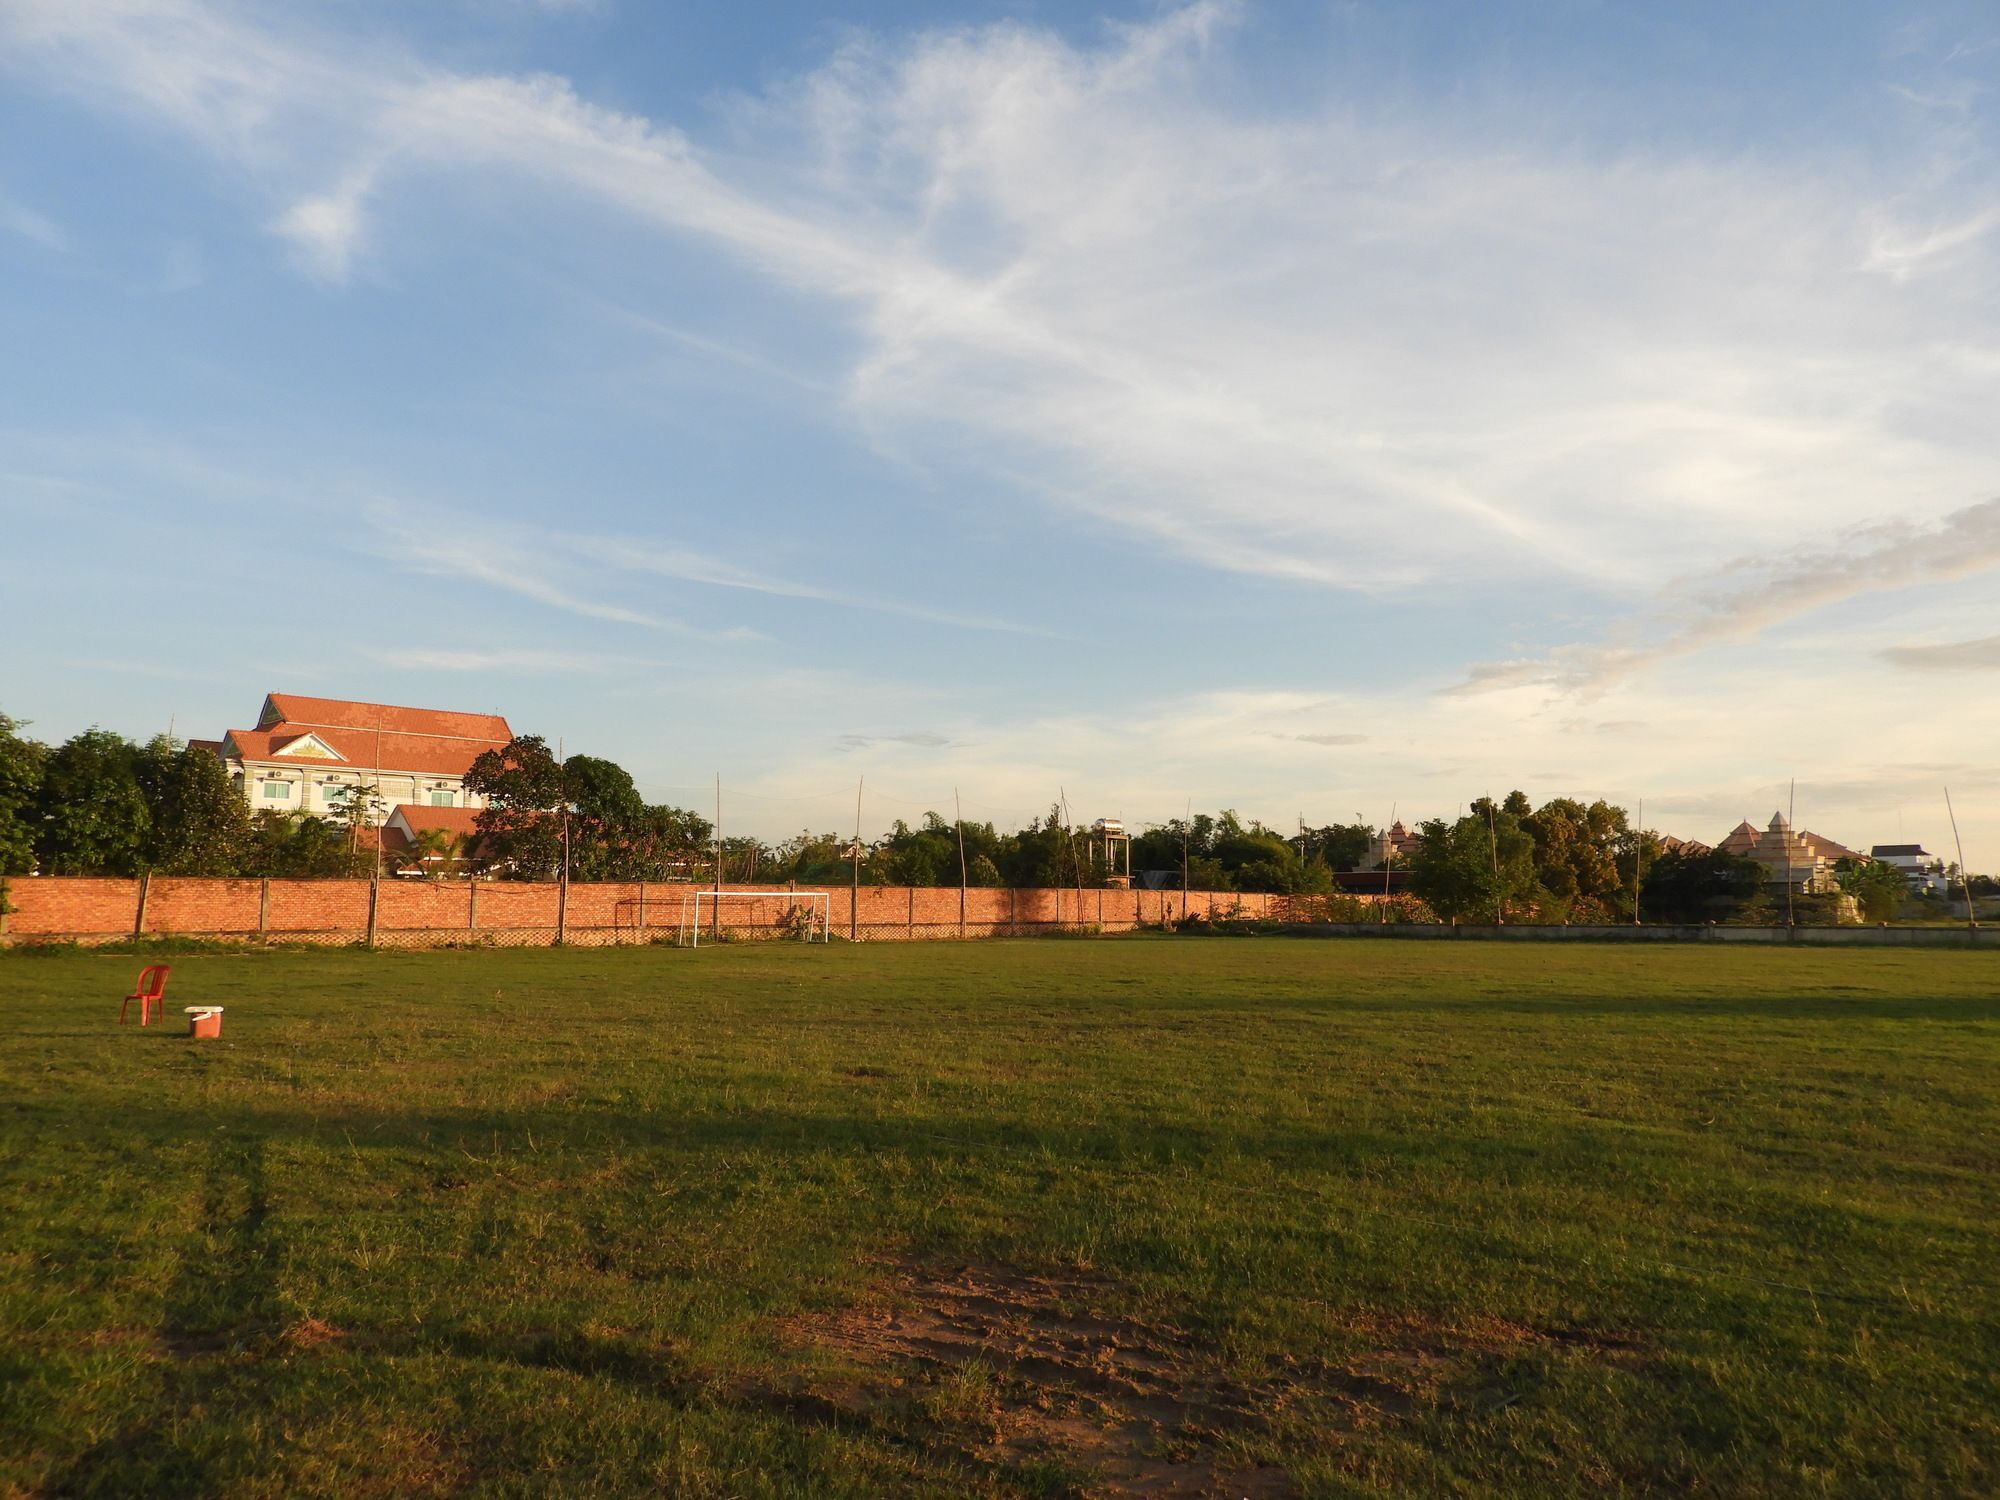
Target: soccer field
pixel 1149 1216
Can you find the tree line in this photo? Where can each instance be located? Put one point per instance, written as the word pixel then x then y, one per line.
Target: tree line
pixel 100 804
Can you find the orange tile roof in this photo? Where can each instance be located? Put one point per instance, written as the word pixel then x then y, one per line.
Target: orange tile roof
pixel 422 819
pixel 339 713
pixel 372 736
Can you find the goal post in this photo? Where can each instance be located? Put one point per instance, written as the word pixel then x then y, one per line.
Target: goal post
pixel 818 905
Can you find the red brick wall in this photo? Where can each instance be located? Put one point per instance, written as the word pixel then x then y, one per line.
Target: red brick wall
pixel 67 907
pixel 420 911
pixel 180 903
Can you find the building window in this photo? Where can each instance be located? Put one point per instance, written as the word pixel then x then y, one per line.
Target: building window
pixel 443 799
pixel 278 790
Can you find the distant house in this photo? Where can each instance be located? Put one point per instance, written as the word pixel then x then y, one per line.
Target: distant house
pixel 1918 865
pixel 1686 848
pixel 306 753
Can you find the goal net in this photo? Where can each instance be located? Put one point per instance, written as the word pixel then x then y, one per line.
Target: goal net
pixel 805 915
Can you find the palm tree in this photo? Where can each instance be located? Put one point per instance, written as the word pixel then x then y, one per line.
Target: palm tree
pixel 432 852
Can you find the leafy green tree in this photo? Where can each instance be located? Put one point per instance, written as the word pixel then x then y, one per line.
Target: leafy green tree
pixel 358 808
pixel 533 799
pixel 1577 856
pixel 93 814
pixel 198 822
pixel 432 853
pixel 300 846
pixel 22 762
pixel 1341 846
pixel 1472 868
pixel 1878 888
pixel 1712 887
pixel 521 825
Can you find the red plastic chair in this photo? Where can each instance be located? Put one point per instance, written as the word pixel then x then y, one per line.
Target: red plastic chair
pixel 150 992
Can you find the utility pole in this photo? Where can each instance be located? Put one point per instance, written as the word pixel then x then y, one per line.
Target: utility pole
pixel 1388 859
pixel 1638 853
pixel 1791 832
pixel 1185 823
pixel 562 886
pixel 1493 845
pixel 1964 880
pixel 854 896
pixel 718 857
pixel 958 819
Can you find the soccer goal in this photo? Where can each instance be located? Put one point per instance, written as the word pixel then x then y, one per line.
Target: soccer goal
pixel 818 907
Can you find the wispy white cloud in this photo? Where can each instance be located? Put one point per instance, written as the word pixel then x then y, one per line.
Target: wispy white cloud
pixel 1900 253
pixel 1982 655
pixel 1745 598
pixel 16 218
pixel 1350 347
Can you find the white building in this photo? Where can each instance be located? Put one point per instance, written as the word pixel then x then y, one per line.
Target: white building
pixel 1921 868
pixel 306 752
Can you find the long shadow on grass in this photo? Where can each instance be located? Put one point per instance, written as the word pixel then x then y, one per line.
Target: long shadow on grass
pixel 221 1311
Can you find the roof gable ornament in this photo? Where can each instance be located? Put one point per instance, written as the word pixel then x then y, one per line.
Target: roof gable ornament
pixel 308 747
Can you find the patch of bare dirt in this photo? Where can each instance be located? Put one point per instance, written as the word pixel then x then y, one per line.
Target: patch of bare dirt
pixel 1033 1369
pixel 1023 1368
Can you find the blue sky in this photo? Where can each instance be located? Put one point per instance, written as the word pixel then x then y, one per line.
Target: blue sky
pixel 1305 408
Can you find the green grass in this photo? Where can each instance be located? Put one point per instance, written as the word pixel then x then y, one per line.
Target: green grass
pixel 544 1222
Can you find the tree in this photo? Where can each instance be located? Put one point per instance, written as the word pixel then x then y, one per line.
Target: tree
pixel 1712 887
pixel 432 853
pixel 359 808
pixel 1343 846
pixel 93 814
pixel 520 826
pixel 22 762
pixel 198 823
pixel 1473 867
pixel 533 800
pixel 1583 860
pixel 299 846
pixel 1878 888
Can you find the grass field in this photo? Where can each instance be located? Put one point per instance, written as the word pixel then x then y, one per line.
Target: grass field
pixel 1160 1216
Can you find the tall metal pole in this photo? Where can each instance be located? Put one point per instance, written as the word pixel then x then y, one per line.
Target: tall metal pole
pixel 1388 859
pixel 958 819
pixel 718 857
pixel 1791 832
pixel 562 889
pixel 1186 823
pixel 1638 853
pixel 854 896
pixel 1493 844
pixel 1964 880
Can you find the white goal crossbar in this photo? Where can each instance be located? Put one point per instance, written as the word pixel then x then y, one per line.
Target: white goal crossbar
pixel 818 904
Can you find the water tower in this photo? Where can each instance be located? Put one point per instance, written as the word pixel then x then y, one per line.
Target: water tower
pixel 1111 847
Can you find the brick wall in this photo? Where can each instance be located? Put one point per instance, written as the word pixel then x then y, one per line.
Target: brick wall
pixel 426 913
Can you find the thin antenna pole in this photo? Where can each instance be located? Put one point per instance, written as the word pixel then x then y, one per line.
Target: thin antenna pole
pixel 1186 823
pixel 1964 880
pixel 854 901
pixel 562 891
pixel 373 793
pixel 1792 832
pixel 958 819
pixel 1388 859
pixel 1075 864
pixel 1638 853
pixel 1493 845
